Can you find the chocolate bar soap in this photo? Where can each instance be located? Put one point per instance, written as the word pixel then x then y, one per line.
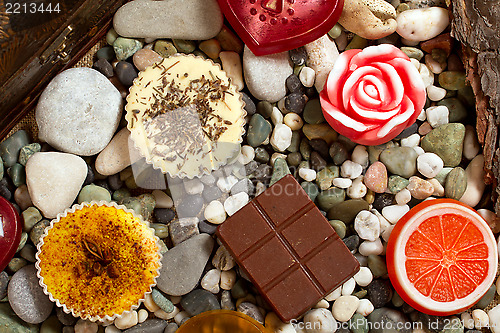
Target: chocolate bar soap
pixel 288 249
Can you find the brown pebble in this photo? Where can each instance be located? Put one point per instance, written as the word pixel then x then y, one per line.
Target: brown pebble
pixel 145 58
pixel 425 128
pixel 118 85
pixel 420 188
pixel 229 41
pixel 376 177
pixel 455 64
pixel 211 48
pixel 443 42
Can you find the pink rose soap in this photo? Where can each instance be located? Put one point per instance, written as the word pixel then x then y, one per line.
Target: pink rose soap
pixel 373 94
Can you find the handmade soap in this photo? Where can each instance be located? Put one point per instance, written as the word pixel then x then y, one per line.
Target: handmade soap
pixel 287 248
pixel 10 232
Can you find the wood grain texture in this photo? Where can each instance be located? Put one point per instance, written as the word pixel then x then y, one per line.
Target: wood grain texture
pixel 476 25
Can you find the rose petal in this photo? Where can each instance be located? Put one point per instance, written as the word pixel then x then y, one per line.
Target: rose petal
pixel 354 79
pixel 340 117
pixel 379 84
pixel 370 115
pixel 408 109
pixel 335 78
pixel 367 95
pixel 392 80
pixel 378 53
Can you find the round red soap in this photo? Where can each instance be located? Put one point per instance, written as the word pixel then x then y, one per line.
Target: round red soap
pixel 10 232
pixel 442 257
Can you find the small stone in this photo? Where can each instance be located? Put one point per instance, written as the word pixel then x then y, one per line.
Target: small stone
pixel 321 54
pixel 418 25
pixel 379 292
pixel 350 169
pixel 471 143
pixel 165 48
pixel 475 181
pixel 294 121
pixel 320 321
pixel 231 63
pixel 215 213
pixel 199 301
pixel 357 190
pixel 344 307
pixel 429 164
pixel 457 111
pixel 307 76
pixel 17 174
pixel 31 216
pixel 404 196
pixel 437 115
pixel 117 155
pixel 367 225
pixel 363 277
pixel 346 211
pixel 456 183
pixel 295 102
pixel 452 80
pixel 394 212
pixel 182 266
pixel 313 113
pixel 149 326
pixel 311 190
pixel 326 177
pixel 126 47
pixel 330 198
pixel 320 131
pixel 54 180
pixel 281 137
pixel 11 147
pixel 235 202
pixel 126 73
pixel 400 161
pixel 447 142
pixel 183 229
pixel 258 130
pixel 145 58
pixel 211 48
pixel 93 193
pixel 163 302
pixel 251 310
pixel 223 260
pixel 376 177
pixel 26 296
pixel 38 230
pixel 436 93
pixel 413 52
pixel 397 183
pixel 338 152
pixel 104 67
pixel 385 317
pixel 250 106
pixel 27 151
pixel 189 206
pixel 340 227
pixel 126 320
pixel 280 170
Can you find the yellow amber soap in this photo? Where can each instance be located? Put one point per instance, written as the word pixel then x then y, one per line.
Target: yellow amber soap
pixel 98 260
pixel 185 116
pixel 222 321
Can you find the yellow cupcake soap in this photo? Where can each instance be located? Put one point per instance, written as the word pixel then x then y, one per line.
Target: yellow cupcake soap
pixel 185 116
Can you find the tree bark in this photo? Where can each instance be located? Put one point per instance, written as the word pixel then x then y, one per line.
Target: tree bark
pixel 475 23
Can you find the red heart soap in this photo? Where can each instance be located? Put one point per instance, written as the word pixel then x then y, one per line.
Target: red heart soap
pixel 10 232
pixel 272 26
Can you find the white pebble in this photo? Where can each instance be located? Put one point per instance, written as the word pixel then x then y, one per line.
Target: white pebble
pixel 358 189
pixel 319 321
pixel 375 247
pixel 235 202
pixel 150 304
pixel 225 183
pixel 467 320
pixel 403 197
pixel 275 156
pixel 348 287
pixel 422 116
pixel 434 66
pixel 127 320
pixel 494 319
pixel 281 137
pixel 367 225
pixel 365 307
pixel 322 304
pixel 166 315
pixel 363 277
pixel 334 294
pixel 193 186
pixel 426 75
pixel 435 93
pixel 179 318
pixel 475 181
pixel 247 154
pixel 307 174
pixel 112 328
pixel 480 317
pixel 350 169
pixel 344 307
pixel 214 212
pixel 394 212
pixel 437 115
pixel 294 121
pixel 386 233
pixel 360 156
pixel 471 144
pixel 438 188
pixel 274 324
pixel 85 326
pixel 419 150
pixel 307 76
pixel 276 116
pixel 163 200
pixel 411 141
pixel 259 188
pixel 385 226
pixel 232 65
pixel 142 315
pixel 342 182
pixel 416 25
pixel 211 280
pixel 227 279
pixel 429 164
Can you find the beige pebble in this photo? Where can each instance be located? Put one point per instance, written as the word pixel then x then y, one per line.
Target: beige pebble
pixel 294 121
pixel 231 63
pixel 150 304
pixel 475 181
pixel 166 315
pixel 142 315
pixel 227 279
pixel 145 58
pixel 163 200
pixel 321 54
pixel 118 154
pixel 22 197
pixel 438 188
pixel 128 319
pixel 211 48
pixel 420 188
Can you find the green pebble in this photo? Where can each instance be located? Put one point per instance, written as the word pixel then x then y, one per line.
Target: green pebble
pixel 161 230
pixel 295 142
pixel 413 52
pixel 121 194
pixel 340 227
pixel 184 46
pixel 16 264
pixel 280 170
pixel 396 300
pixel 131 183
pixel 375 151
pixel 258 130
pixel 11 323
pixel 377 265
pixel 361 293
pixel 265 109
pixel 22 242
pixel 441 176
pixel 107 53
pixel 347 210
pixel 28 151
pixel 487 298
pixel 357 42
pixel 31 216
pixel 28 252
pixel 402 7
pixel 400 161
pixel 358 324
pixel 10 147
pixel 111 36
pixel 294 159
pixel 447 142
pixel 452 80
pixel 297 69
pixel 1 168
pixel 148 204
pixel 126 47
pixel 17 174
pixel 163 247
pixel 304 165
pixel 456 183
pixel 163 302
pixel 330 198
pixel 313 114
pixel 202 54
pixel 261 155
pixel 93 193
pixel 325 177
pixel 397 183
pixel 338 152
pixel 335 32
pixel 51 325
pixel 311 189
pixel 458 112
pixel 466 95
pixel 165 48
pixel 305 149
pixel 133 203
pixel 439 55
pixel 240 289
pixel 38 230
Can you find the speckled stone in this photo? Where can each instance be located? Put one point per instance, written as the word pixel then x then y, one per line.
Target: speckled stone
pixel 376 177
pixel 455 184
pixel 447 142
pixel 400 161
pixel 199 301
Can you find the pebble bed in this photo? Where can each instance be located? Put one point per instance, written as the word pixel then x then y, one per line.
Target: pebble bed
pixel 363 190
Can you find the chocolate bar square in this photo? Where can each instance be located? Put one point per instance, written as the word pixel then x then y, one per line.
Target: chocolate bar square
pixel 288 249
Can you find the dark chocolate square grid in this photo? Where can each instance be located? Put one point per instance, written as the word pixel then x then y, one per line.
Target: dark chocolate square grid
pixel 287 248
